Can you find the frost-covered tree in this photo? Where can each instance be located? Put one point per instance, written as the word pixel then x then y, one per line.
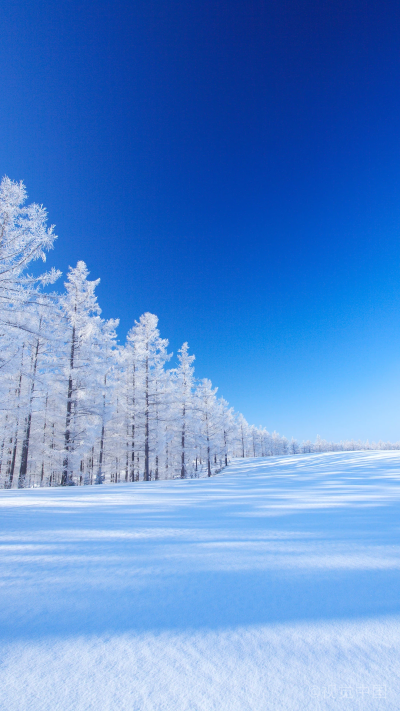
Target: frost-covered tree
pixel 242 434
pixel 146 397
pixel 209 420
pixel 183 390
pixel 228 429
pixel 84 368
pixel 24 238
pixel 294 447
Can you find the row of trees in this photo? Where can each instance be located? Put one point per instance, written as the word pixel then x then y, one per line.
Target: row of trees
pixel 79 408
pixel 348 445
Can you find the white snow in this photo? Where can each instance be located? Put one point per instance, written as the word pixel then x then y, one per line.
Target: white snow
pixel 274 585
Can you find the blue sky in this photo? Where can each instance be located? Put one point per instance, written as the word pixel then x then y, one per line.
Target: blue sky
pixel 234 168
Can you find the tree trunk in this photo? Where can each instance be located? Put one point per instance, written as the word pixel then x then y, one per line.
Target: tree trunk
pixel 25 445
pixel 3 445
pixel 183 468
pixel 44 441
pixel 127 454
pixel 15 439
pixel 146 432
pixel 99 477
pixel 66 477
pixel 132 472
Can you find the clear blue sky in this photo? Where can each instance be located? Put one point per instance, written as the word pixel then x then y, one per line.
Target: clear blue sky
pixel 232 166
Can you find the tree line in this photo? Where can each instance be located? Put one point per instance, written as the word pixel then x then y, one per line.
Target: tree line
pixel 79 408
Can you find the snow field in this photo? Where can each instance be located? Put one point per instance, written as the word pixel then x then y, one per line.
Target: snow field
pixel 272 586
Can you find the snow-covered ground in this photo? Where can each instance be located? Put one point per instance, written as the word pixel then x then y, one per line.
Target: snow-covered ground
pixel 274 585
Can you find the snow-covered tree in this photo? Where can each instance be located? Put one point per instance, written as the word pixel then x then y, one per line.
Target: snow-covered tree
pixel 183 390
pixel 209 420
pixel 146 395
pixel 84 368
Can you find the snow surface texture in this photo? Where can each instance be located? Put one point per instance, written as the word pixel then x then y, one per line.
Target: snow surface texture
pixel 272 586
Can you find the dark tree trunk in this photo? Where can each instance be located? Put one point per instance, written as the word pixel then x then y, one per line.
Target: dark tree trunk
pixel 65 479
pixel 99 478
pixel 146 432
pixel 127 455
pixel 2 446
pixel 132 472
pixel 14 440
pixel 183 467
pixel 25 445
pixel 44 441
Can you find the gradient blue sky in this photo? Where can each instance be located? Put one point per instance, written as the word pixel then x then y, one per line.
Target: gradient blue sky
pixel 232 166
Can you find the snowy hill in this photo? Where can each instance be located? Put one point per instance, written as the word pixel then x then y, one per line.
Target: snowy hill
pixel 275 585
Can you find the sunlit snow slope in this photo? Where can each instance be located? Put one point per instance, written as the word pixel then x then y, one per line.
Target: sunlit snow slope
pixel 272 586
